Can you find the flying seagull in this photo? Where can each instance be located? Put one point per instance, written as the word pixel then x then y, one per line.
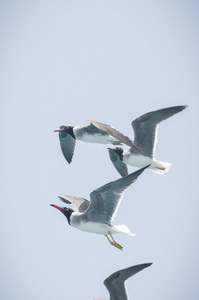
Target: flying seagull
pixel 145 130
pixel 116 285
pixel 90 134
pixel 96 215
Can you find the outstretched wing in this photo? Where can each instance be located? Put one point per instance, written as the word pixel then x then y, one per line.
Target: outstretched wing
pixel 145 128
pixel 67 143
pixel 92 129
pixel 81 203
pixel 115 283
pixel 105 200
pixel 114 133
pixel 118 163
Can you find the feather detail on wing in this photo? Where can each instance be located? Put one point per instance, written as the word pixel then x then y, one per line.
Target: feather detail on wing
pixel 115 283
pixel 67 143
pixel 118 164
pixel 146 127
pixel 114 133
pixel 105 200
pixel 80 203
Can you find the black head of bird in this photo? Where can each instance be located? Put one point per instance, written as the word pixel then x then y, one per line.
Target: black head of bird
pixel 64 130
pixel 65 210
pixel 118 151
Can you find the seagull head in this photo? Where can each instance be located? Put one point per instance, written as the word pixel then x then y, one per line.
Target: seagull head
pixel 64 130
pixel 118 151
pixel 65 210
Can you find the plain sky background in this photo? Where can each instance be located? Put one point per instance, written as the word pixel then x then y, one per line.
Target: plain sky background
pixel 112 61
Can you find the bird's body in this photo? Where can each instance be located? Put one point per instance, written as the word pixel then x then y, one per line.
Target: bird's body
pixel 92 227
pixel 68 135
pixel 97 227
pixel 89 134
pixel 145 130
pixel 139 160
pixel 97 215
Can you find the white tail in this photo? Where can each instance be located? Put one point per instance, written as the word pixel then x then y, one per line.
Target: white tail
pixel 160 167
pixel 123 229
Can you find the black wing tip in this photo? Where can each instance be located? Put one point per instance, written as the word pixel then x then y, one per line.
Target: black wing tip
pixel 145 167
pixel 138 172
pixel 148 264
pixel 68 159
pixel 117 273
pixel 144 265
pixel 142 169
pixel 181 107
pixel 177 108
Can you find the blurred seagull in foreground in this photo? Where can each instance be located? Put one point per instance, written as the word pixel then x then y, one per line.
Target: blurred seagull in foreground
pixel 145 130
pixel 115 283
pixel 90 134
pixel 96 215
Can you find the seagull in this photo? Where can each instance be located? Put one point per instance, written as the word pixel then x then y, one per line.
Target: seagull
pixel 96 215
pixel 145 130
pixel 90 134
pixel 115 283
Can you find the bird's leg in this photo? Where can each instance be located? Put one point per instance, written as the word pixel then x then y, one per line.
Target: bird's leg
pixel 116 143
pixel 113 242
pixel 108 239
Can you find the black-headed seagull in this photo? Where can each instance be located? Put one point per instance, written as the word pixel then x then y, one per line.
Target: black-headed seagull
pixel 96 215
pixel 145 130
pixel 90 134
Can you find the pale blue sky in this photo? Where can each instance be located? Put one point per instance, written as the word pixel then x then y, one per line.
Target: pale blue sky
pixel 111 61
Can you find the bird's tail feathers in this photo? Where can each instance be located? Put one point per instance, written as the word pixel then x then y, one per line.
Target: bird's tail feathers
pixel 124 229
pixel 161 167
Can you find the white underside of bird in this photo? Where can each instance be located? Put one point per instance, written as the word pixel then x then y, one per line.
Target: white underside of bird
pixel 97 227
pixel 138 160
pixel 97 138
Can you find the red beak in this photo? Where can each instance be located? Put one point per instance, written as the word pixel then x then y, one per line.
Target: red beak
pixel 56 206
pixel 59 130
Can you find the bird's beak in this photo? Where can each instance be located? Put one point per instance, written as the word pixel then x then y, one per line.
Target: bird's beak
pixel 59 130
pixel 56 206
pixel 111 149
